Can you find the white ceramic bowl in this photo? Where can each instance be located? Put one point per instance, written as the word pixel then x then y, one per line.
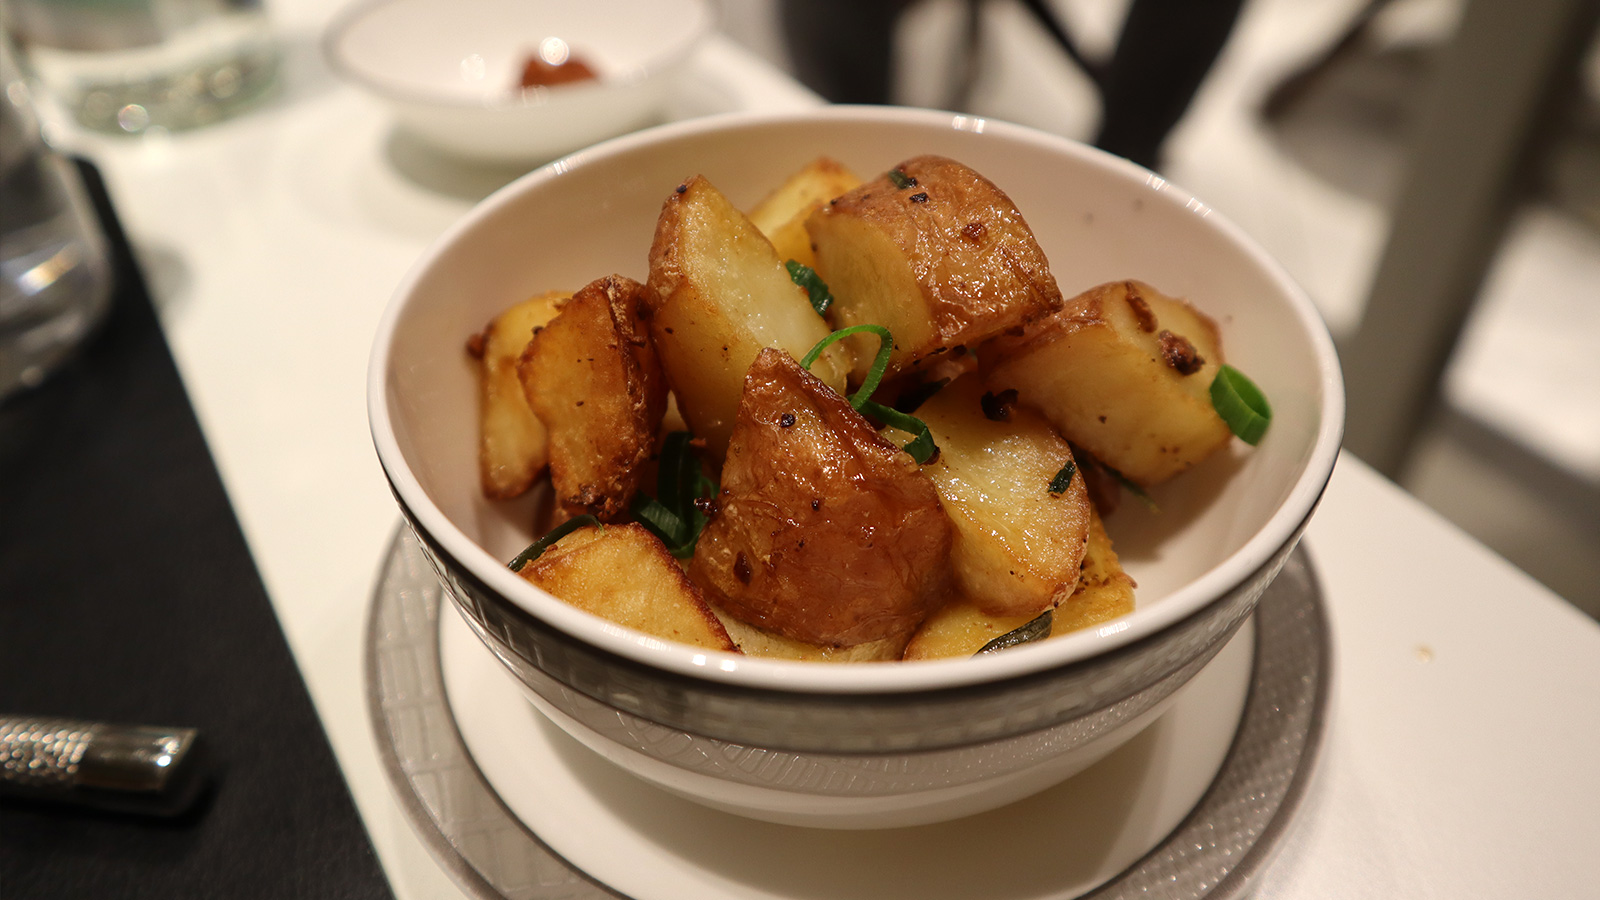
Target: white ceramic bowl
pixel 858 745
pixel 450 69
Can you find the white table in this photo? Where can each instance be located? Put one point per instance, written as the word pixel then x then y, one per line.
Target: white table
pixel 1460 759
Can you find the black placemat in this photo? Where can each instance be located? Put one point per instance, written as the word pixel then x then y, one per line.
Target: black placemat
pixel 127 594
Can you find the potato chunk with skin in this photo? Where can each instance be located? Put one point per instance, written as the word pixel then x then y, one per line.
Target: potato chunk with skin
pixel 592 377
pixel 622 573
pixel 719 294
pixel 1122 371
pixel 1104 592
pixel 781 215
pixel 753 641
pixel 942 262
pixel 513 445
pixel 1017 545
pixel 823 532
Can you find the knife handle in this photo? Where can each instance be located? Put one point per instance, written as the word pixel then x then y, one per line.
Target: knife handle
pixel 124 768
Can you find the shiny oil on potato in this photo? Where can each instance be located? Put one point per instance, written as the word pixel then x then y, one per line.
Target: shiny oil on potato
pixel 1122 371
pixel 1018 543
pixel 934 252
pixel 719 295
pixel 824 532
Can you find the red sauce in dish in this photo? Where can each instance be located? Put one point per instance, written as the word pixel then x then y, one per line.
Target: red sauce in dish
pixel 538 73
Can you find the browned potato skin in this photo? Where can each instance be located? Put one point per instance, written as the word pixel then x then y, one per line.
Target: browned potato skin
pixel 1097 371
pixel 782 214
pixel 1104 592
pixel 622 573
pixel 592 377
pixel 824 532
pixel 719 293
pixel 953 268
pixel 753 641
pixel 513 445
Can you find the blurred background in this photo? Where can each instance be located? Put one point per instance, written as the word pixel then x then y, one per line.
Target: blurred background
pixel 1428 170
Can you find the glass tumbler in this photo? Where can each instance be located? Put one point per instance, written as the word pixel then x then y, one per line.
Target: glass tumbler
pixel 55 278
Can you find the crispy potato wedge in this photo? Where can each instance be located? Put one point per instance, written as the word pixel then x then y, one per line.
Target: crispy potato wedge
pixel 943 262
pixel 1104 592
pixel 781 215
pixel 720 294
pixel 593 378
pixel 753 641
pixel 513 445
pixel 1017 545
pixel 1123 371
pixel 824 532
pixel 622 573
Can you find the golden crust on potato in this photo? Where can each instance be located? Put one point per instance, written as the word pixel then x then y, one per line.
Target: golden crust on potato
pixel 623 574
pixel 1123 371
pixel 1104 591
pixel 944 261
pixel 513 445
pixel 753 641
pixel 719 294
pixel 824 532
pixel 592 377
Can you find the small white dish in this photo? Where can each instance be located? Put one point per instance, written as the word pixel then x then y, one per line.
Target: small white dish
pixel 648 844
pixel 451 69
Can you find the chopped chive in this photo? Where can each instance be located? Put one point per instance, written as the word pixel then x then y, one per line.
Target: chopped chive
pixel 922 448
pixel 672 514
pixel 901 180
pixel 1063 479
pixel 1035 630
pixel 1240 404
pixel 815 288
pixel 1133 488
pixel 555 534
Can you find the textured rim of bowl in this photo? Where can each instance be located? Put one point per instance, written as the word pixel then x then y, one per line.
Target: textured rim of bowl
pixel 863 678
pixel 665 59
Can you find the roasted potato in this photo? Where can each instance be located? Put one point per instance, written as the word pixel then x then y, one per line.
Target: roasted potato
pixel 623 574
pixel 1123 371
pixel 781 215
pixel 1017 544
pixel 592 376
pixel 513 445
pixel 823 532
pixel 719 294
pixel 753 641
pixel 1104 591
pixel 942 262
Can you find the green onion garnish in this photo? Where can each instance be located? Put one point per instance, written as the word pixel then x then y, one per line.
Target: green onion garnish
pixel 555 534
pixel 672 514
pixel 1063 479
pixel 922 447
pixel 1134 489
pixel 1035 630
pixel 901 180
pixel 1240 404
pixel 815 288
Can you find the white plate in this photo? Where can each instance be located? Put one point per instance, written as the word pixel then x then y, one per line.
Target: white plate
pixel 469 817
pixel 651 845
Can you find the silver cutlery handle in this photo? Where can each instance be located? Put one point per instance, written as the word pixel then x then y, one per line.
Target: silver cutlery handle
pixel 129 768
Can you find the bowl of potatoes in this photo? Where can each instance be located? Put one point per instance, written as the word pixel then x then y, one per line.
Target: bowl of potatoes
pixel 854 468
